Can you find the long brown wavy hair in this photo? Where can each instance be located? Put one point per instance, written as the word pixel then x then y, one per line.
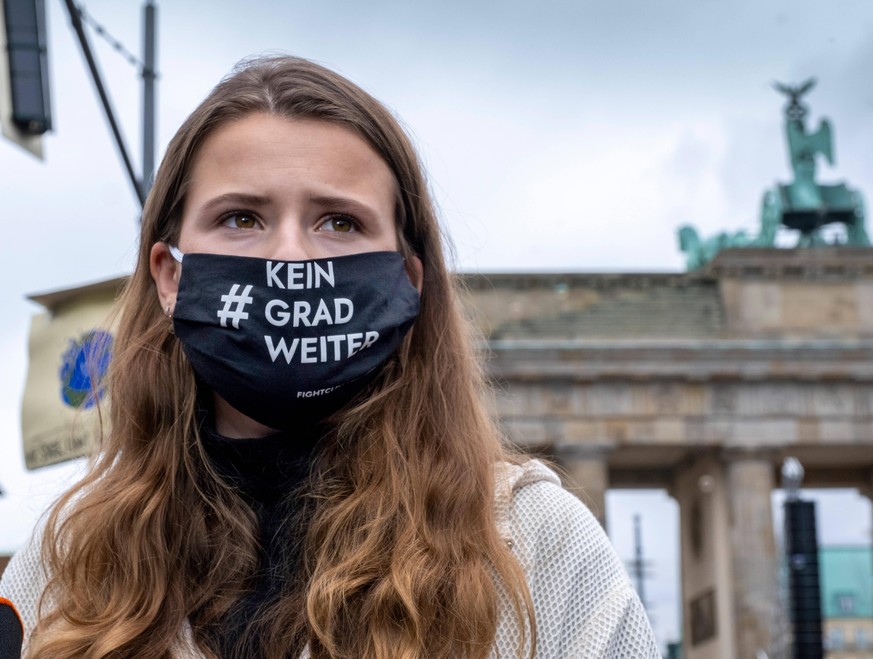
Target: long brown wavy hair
pixel 401 557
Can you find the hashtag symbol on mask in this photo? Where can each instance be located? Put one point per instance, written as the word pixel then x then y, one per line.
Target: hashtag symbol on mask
pixel 234 305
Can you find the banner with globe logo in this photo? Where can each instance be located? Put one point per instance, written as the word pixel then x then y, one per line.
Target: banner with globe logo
pixel 70 347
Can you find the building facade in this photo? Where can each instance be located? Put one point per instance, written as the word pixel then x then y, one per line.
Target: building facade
pixel 701 383
pixel 847 601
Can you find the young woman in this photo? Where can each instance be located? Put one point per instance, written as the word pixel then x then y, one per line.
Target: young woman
pixel 298 460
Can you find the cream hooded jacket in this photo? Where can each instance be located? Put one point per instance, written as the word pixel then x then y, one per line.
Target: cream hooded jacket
pixel 583 601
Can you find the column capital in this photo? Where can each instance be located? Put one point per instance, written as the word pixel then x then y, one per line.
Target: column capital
pixel 758 454
pixel 598 451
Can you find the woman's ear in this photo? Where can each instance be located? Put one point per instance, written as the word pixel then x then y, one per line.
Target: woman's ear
pixel 415 270
pixel 165 271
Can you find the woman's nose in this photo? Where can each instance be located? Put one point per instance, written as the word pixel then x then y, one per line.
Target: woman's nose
pixel 290 244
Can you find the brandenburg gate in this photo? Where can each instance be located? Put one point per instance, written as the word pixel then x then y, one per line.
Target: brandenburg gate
pixel 700 383
pixel 703 383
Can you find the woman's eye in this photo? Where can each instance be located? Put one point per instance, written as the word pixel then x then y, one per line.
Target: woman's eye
pixel 338 223
pixel 240 221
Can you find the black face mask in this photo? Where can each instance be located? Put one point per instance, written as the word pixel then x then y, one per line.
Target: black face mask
pixel 288 343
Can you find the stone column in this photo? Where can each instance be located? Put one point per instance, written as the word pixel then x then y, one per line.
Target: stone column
pixel 757 612
pixel 700 489
pixel 586 474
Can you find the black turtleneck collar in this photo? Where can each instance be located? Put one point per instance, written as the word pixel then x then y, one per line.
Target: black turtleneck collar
pixel 264 468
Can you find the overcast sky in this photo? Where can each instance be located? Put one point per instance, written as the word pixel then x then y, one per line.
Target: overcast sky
pixel 558 135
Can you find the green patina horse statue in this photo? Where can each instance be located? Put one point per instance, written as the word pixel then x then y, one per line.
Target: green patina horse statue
pixel 802 205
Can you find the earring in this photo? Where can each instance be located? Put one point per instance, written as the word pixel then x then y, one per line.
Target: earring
pixel 169 314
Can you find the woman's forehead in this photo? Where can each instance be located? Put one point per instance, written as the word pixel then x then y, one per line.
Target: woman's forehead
pixel 270 153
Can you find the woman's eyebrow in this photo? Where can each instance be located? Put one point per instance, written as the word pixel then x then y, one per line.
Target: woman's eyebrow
pixel 337 201
pixel 242 198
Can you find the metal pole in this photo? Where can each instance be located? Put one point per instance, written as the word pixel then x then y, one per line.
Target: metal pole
pixel 76 20
pixel 148 95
